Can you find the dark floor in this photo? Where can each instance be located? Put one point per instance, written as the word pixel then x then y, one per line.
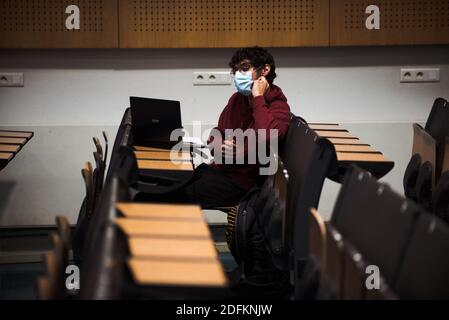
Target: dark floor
pixel 17 281
pixel 18 278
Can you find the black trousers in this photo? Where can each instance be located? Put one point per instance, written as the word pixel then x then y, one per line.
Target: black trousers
pixel 208 188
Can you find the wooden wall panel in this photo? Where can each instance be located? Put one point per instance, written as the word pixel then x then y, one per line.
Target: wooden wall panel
pixel 41 24
pixel 220 23
pixel 401 22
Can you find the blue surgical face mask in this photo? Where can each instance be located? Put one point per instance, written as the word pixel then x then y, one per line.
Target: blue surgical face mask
pixel 243 81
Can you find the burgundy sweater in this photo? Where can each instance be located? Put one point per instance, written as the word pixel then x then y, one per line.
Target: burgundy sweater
pixel 270 111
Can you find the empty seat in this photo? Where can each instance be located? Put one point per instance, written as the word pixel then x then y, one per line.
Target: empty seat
pixel 425 267
pixel 52 285
pixel 440 201
pixel 361 280
pixel 375 219
pixel 332 285
pixel 420 176
pixel 314 274
pixel 354 273
pixel 63 227
pixel 437 126
pixel 308 160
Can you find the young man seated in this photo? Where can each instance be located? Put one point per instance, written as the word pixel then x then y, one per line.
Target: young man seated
pixel 256 115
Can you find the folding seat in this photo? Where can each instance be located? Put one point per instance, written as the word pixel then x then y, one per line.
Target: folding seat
pixel 423 273
pixel 375 219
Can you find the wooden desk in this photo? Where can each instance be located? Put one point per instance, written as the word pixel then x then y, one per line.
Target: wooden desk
pixel 9 148
pixel 361 157
pixel 11 143
pixel 164 165
pixel 160 211
pixel 8 140
pixel 158 155
pixel 350 150
pixel 375 163
pixel 353 141
pixel 189 249
pixel 142 148
pixel 16 134
pixel 163 228
pixel 334 134
pixel 177 273
pixel 327 127
pixel 6 156
pixel 354 148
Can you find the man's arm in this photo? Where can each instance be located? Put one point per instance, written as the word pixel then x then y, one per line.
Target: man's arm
pixel 276 116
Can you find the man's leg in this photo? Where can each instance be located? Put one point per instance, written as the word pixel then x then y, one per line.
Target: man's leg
pixel 213 189
pixel 209 188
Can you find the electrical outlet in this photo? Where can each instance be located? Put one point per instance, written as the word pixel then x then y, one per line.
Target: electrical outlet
pixel 11 79
pixel 211 78
pixel 420 75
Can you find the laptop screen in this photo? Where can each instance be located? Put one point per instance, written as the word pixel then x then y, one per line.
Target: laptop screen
pixel 153 120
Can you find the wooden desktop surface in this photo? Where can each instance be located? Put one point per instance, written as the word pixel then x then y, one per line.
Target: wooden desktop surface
pixel 334 134
pixel 6 156
pixel 157 155
pixel 16 134
pixel 177 272
pixel 8 140
pixel 172 248
pixel 160 211
pixel 164 165
pixel 345 141
pixel 354 148
pixel 9 148
pixel 361 157
pixel 164 228
pixel 329 127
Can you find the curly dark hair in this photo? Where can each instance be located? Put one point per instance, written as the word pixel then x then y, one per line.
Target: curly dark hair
pixel 258 57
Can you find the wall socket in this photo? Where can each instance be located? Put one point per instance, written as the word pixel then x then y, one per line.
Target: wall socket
pixel 11 79
pixel 211 78
pixel 420 75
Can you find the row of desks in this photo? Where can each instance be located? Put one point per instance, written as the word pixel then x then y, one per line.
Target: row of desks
pixel 11 142
pixel 351 150
pixel 170 245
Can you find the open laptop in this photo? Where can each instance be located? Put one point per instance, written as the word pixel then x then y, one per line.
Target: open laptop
pixel 153 120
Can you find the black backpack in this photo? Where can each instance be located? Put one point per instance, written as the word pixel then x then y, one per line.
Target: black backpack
pixel 254 236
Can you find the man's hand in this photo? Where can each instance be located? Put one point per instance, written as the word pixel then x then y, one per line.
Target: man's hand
pixel 231 153
pixel 260 86
pixel 228 149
